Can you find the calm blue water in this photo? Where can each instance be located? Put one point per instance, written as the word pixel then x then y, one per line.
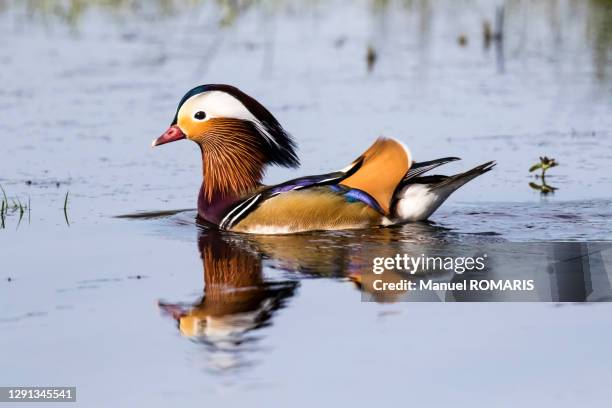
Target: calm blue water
pixel 116 306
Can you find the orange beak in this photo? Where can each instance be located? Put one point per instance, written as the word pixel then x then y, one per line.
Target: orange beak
pixel 173 134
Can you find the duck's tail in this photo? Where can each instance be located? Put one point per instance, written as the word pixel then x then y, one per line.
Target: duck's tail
pixel 416 198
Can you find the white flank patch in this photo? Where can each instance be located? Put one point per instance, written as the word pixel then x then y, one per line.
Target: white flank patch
pixel 417 202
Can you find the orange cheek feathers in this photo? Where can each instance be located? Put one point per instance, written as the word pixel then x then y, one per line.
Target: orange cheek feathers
pixel 193 129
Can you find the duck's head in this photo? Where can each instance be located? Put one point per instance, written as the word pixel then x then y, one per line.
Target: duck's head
pixel 238 137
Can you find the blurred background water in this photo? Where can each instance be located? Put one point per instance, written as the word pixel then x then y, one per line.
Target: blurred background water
pixel 110 304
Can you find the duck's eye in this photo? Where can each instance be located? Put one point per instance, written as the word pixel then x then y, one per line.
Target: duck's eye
pixel 200 115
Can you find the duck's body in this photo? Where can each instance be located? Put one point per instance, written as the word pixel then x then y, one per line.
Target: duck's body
pixel 316 208
pixel 238 137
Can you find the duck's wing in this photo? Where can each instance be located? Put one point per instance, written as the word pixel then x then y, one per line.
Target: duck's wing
pixel 370 179
pixel 252 202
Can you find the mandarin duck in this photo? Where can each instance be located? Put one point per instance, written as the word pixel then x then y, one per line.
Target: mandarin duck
pixel 238 137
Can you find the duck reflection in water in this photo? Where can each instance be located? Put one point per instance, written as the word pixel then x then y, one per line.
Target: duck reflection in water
pixel 237 300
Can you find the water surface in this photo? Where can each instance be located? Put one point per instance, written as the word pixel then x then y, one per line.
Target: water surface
pixel 156 311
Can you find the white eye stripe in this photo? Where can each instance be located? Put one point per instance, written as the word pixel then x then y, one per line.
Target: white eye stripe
pixel 218 104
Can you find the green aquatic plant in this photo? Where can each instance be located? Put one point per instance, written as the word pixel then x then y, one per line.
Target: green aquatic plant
pixel 21 209
pixel 3 208
pixel 544 164
pixel 14 206
pixel 66 208
pixel 4 199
